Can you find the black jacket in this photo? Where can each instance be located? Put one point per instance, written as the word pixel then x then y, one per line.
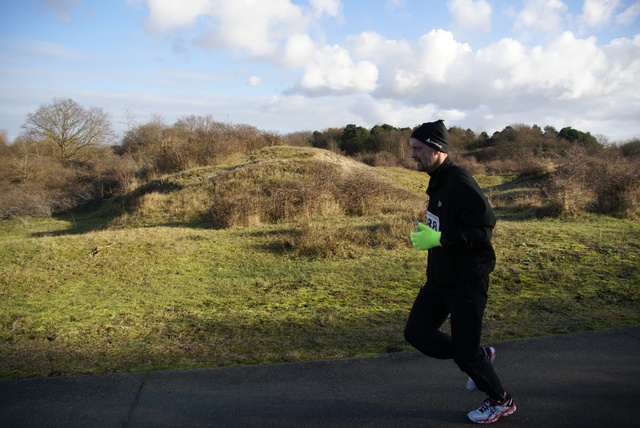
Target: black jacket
pixel 458 208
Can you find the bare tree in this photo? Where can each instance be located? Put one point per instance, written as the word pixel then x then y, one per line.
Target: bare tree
pixel 129 118
pixel 602 139
pixel 69 127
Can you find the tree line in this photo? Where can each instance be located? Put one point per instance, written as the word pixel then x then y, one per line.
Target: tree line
pixel 68 156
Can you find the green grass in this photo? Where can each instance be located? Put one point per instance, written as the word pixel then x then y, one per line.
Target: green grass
pixel 77 299
pixel 151 281
pixel 565 276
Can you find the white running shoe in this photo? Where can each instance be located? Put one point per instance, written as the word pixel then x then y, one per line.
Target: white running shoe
pixel 490 352
pixel 492 410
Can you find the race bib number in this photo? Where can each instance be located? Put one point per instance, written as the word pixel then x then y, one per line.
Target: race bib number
pixel 433 221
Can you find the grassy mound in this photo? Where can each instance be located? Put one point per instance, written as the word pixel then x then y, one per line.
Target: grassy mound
pixel 278 184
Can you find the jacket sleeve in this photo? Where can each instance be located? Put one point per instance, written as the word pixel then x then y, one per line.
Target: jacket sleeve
pixel 474 218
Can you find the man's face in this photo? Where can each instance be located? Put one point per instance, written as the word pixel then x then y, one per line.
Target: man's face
pixel 428 159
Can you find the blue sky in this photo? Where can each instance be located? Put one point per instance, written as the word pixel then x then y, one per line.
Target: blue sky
pixel 285 65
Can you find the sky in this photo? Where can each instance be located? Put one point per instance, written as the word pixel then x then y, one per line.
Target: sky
pixel 305 65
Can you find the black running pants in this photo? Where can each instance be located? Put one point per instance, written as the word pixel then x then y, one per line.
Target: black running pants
pixel 465 304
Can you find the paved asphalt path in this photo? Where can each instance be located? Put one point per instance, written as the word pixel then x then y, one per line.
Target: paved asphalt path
pixel 587 379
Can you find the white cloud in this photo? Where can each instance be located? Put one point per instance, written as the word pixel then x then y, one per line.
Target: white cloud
pixel 506 82
pixel 622 57
pixel 429 68
pixel 332 70
pixel 388 55
pixel 541 16
pixel 332 8
pixel 249 28
pixel 373 46
pixel 166 14
pixel 298 50
pixel 257 32
pixel 629 15
pixel 372 111
pixel 567 69
pixel 470 15
pixel 597 13
pixel 254 81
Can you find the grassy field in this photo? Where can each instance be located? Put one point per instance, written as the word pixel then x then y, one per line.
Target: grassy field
pixel 80 296
pixel 79 301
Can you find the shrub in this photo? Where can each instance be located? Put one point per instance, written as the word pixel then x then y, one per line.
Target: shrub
pixel 586 183
pixel 24 200
pixel 567 192
pixel 314 240
pixel 323 240
pixel 40 186
pixel 617 186
pixel 471 164
pixel 273 191
pixel 364 192
pixel 631 148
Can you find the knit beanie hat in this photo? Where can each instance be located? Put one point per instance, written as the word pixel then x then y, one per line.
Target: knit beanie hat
pixel 433 134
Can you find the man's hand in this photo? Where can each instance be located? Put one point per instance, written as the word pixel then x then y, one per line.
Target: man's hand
pixel 426 238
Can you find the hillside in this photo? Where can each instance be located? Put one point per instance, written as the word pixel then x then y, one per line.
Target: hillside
pixel 288 254
pixel 273 185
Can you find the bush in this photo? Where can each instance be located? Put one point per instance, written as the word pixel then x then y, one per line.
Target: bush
pixel 567 191
pixel 631 149
pixel 471 164
pixel 617 186
pixel 323 240
pixel 273 191
pixel 22 200
pixel 40 186
pixel 594 184
pixel 193 141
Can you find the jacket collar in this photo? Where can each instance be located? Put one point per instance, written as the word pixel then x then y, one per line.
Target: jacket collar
pixel 435 175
